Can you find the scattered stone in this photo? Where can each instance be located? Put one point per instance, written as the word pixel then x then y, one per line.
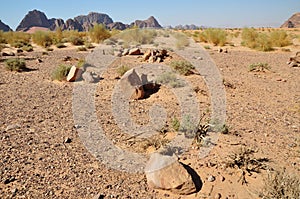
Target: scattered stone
pixel 294 60
pixel 12 127
pixel 147 55
pixel 117 53
pixel 19 50
pixel 9 180
pixel 8 54
pixel 211 178
pixel 134 51
pixel 38 60
pixel 131 85
pixel 67 58
pixel 222 179
pixel 88 77
pixel 217 196
pixel 73 74
pixel 99 196
pixel 220 50
pixel 68 140
pixel 166 172
pixel 125 52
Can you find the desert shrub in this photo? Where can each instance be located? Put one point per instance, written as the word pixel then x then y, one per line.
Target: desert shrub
pixel 259 41
pixel 182 67
pixel 17 39
pixel 259 67
pixel 2 46
pixel 80 63
pixel 2 38
pixel 170 79
pixel 77 41
pixel 27 48
pixel 281 185
pixel 89 45
pixel 279 38
pixel 15 64
pixel 99 33
pixel 42 38
pixel 60 45
pixel 181 40
pixel 60 72
pixel 175 124
pixel 206 47
pixel 57 36
pixel 215 36
pixel 74 37
pixel 81 48
pixel 137 36
pixel 121 70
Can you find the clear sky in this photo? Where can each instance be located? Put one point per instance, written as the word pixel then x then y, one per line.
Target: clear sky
pixel 213 13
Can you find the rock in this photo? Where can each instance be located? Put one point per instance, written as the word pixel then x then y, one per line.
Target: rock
pixel 151 59
pixel 4 27
pixel 68 140
pixel 222 178
pixel 159 59
pixel 131 84
pixel 38 60
pixel 12 127
pixel 88 77
pixel 166 172
pixel 211 178
pixel 146 55
pixel 8 54
pixel 217 196
pixel 19 50
pixel 73 74
pixel 99 196
pixel 117 53
pixel 125 52
pixel 134 51
pixel 66 58
pixel 151 22
pixel 294 60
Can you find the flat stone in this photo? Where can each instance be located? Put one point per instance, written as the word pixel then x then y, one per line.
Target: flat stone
pixel 73 74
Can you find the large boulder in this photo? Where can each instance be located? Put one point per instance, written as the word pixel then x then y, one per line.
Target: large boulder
pixel 294 60
pixel 167 173
pixel 74 74
pixel 131 85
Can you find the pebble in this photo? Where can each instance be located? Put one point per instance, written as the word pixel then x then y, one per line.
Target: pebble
pixel 12 126
pixel 218 196
pixel 222 178
pixel 68 140
pixel 211 178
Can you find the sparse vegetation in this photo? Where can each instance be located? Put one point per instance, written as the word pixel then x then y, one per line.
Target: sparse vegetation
pixel 182 41
pixel 182 67
pixel 81 48
pixel 99 33
pixel 255 40
pixel 170 79
pixel 279 38
pixel 15 64
pixel 259 67
pixel 244 160
pixel 206 47
pixel 216 36
pixel 136 36
pixel 121 70
pixel 281 185
pixel 42 38
pixel 17 39
pixel 27 48
pixel 175 124
pixel 60 72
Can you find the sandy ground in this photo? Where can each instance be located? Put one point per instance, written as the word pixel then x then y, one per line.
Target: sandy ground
pixel 263 113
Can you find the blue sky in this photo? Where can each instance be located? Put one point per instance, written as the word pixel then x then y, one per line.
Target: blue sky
pixel 214 13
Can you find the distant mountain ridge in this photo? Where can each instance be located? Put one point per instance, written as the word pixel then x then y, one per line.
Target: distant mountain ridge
pixel 292 22
pixel 4 27
pixel 37 18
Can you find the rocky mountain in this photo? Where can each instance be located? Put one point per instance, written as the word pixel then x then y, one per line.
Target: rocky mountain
pixel 37 18
pixel 292 22
pixel 151 22
pixel 4 27
pixel 187 27
pixel 33 18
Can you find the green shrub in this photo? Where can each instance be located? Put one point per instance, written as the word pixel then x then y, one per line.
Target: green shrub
pixel 259 67
pixel 259 41
pixel 169 78
pixel 89 45
pixel 121 70
pixel 76 41
pixel 182 67
pixel 57 36
pixel 279 38
pixel 181 41
pixel 137 36
pixel 99 33
pixel 27 48
pixel 15 64
pixel 42 38
pixel 80 63
pixel 17 39
pixel 74 37
pixel 60 73
pixel 215 36
pixel 175 124
pixel 206 47
pixel 2 38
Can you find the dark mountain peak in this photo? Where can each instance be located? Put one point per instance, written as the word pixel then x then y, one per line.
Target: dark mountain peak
pixel 33 18
pixel 151 22
pixel 4 27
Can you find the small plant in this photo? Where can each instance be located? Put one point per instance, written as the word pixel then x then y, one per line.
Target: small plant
pixel 188 127
pixel 15 64
pixel 80 63
pixel 182 67
pixel 27 48
pixel 121 70
pixel 99 33
pixel 170 79
pixel 280 184
pixel 60 73
pixel 136 36
pixel 175 124
pixel 206 47
pixel 49 49
pixel 244 160
pixel 89 45
pixel 76 41
pixel 81 48
pixel 259 41
pixel 279 38
pixel 259 67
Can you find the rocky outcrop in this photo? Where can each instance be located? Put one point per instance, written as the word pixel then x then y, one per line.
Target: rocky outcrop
pixel 292 22
pixel 87 21
pixel 117 26
pixel 151 22
pixel 73 25
pixel 57 23
pixel 4 27
pixel 33 18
